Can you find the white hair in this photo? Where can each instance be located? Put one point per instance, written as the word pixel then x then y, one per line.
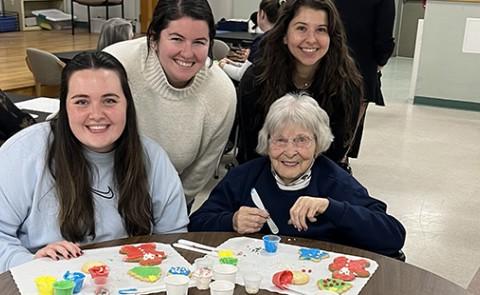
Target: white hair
pixel 296 109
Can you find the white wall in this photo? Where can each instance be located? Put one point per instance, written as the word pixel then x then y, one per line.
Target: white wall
pixel 243 8
pixel 445 71
pixel 221 8
pixel 233 8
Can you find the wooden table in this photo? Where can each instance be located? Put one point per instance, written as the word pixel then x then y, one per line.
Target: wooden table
pixel 391 278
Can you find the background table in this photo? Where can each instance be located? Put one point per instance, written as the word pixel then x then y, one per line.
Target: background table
pixel 67 56
pixel 14 97
pixel 392 277
pixel 237 39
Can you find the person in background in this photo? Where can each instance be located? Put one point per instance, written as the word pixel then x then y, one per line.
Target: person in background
pixel 184 101
pixel 369 27
pixel 305 50
pixel 114 30
pixel 91 177
pixel 266 17
pixel 304 192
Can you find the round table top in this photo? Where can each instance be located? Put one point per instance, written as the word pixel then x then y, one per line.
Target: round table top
pixel 392 277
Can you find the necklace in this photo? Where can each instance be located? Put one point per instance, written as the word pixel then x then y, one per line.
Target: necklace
pixel 301 85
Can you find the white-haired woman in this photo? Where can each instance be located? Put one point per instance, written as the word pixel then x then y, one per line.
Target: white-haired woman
pixel 305 193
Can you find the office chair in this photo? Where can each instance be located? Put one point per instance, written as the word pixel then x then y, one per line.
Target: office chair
pixel 95 3
pixel 220 49
pixel 45 67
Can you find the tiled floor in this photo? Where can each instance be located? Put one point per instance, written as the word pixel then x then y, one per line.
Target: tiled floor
pixel 424 162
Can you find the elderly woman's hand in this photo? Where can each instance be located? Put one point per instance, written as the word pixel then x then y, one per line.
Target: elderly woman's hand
pixel 306 208
pixel 56 250
pixel 249 220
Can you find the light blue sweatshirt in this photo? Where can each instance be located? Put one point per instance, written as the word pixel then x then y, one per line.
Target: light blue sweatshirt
pixel 29 206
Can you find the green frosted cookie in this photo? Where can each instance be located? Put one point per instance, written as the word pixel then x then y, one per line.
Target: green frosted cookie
pixel 146 273
pixel 334 285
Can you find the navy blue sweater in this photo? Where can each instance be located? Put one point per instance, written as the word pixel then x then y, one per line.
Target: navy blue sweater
pixel 352 218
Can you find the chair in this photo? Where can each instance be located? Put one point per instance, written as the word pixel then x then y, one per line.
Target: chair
pixel 220 49
pixel 45 67
pixel 94 3
pixel 474 286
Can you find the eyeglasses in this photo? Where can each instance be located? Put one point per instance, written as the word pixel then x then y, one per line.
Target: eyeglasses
pixel 300 141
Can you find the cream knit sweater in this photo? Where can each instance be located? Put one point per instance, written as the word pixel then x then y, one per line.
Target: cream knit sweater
pixel 192 124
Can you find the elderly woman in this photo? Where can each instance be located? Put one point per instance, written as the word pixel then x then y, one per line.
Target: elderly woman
pixel 305 193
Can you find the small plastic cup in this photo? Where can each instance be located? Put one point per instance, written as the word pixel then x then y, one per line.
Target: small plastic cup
pixel 176 284
pixel 203 277
pixel 225 272
pixel 221 287
pixel 270 243
pixel 77 278
pixel 45 284
pixel 203 262
pixel 64 287
pixel 252 282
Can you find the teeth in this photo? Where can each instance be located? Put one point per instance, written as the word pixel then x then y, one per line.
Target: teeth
pixel 309 49
pixel 98 127
pixel 184 64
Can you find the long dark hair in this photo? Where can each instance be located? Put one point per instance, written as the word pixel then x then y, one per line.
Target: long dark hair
pixel 336 75
pixel 72 172
pixel 170 10
pixel 271 9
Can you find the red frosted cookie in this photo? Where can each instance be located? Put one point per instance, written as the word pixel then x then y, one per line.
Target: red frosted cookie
pixel 145 254
pixel 346 269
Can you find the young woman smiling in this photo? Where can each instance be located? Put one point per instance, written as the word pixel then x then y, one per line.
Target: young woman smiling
pixel 305 50
pixel 184 102
pixel 87 175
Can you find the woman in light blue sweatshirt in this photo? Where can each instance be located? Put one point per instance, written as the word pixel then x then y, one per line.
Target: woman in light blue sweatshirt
pixel 86 176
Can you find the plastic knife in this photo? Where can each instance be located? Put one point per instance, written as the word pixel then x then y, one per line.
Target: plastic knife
pixel 258 202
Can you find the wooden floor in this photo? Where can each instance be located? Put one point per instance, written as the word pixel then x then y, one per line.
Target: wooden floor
pixel 14 73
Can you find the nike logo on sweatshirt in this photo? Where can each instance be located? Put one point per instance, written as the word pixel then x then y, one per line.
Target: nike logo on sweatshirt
pixel 106 195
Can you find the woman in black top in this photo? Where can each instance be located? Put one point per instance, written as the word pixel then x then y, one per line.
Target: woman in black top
pixel 305 51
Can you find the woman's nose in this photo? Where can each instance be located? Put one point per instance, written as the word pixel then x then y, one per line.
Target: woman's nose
pixel 96 110
pixel 310 36
pixel 187 50
pixel 290 149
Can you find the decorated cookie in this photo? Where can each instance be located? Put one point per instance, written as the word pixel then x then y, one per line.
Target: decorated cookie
pixel 179 270
pixel 229 260
pixel 227 256
pixel 333 285
pixel 346 269
pixel 146 273
pixel 300 277
pixel 312 254
pixel 87 265
pixel 145 254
